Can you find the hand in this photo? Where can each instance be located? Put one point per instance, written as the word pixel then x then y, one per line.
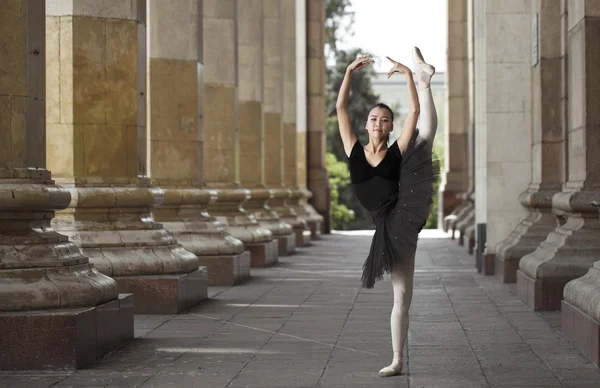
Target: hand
pixel 397 68
pixel 360 62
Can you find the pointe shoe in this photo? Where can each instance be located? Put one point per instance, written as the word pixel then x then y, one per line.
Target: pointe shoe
pixel 417 56
pixel 391 370
pixel 423 71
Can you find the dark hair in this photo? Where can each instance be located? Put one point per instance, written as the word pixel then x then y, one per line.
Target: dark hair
pixel 382 105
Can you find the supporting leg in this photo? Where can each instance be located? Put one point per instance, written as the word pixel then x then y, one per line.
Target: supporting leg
pixel 402 283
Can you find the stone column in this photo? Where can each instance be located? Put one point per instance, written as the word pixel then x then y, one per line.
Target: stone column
pixel 252 150
pixel 175 144
pixel 317 177
pixel 455 178
pixel 299 197
pixel 298 200
pixel 221 120
pixel 580 315
pixel 301 117
pixel 52 298
pixel 504 125
pixel 580 312
pixel 572 248
pixel 547 148
pixel 462 219
pixel 463 215
pixel 301 94
pixel 273 91
pixel 96 90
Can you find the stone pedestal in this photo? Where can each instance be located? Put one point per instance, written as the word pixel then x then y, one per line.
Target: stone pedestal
pixel 183 213
pixel 56 310
pixel 67 338
pixel 114 226
pixel 526 237
pixel 468 220
pixel 451 219
pixel 467 210
pixel 166 294
pixel 288 214
pixel 300 202
pixel 450 204
pixel 227 271
pixel 540 294
pixel 469 237
pixel 567 253
pixel 258 205
pixel 229 210
pixel 580 315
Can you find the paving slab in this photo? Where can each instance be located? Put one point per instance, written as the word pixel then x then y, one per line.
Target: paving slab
pixel 306 323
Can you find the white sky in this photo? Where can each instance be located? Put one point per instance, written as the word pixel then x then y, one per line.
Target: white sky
pixel 393 27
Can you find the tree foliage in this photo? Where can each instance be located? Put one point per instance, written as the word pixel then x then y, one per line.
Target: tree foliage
pixel 339 178
pixel 361 100
pixel 347 213
pixel 337 14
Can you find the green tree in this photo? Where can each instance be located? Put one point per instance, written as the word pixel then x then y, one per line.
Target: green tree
pixel 337 14
pixel 438 152
pixel 339 179
pixel 362 98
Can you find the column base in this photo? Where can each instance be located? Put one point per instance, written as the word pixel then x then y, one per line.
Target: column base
pixel 505 270
pixel 286 245
pixel 227 270
pixel 303 237
pixel 263 254
pixel 462 225
pixel 581 330
pixel 455 217
pixel 470 237
pixel 166 294
pixel 64 338
pixel 315 228
pixel 488 267
pixel 523 240
pixel 540 294
pixel 449 202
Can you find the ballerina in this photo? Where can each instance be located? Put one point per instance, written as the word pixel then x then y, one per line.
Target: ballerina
pixel 394 182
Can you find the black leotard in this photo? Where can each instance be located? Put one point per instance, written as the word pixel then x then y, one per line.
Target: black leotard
pixel 398 194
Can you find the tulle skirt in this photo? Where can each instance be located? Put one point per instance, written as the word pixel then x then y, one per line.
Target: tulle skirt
pixel 401 212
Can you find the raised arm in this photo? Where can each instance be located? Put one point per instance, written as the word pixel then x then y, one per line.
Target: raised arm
pixel 413 105
pixel 341 106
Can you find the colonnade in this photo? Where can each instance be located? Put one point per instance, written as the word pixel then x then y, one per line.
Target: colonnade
pixel 522 86
pixel 150 148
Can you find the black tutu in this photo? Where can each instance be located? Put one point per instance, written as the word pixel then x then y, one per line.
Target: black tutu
pixel 399 208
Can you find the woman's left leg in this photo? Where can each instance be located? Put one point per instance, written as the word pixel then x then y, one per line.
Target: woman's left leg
pixel 402 283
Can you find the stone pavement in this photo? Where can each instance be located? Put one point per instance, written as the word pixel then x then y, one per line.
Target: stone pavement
pixel 306 323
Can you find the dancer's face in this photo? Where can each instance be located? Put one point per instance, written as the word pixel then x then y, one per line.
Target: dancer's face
pixel 379 123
